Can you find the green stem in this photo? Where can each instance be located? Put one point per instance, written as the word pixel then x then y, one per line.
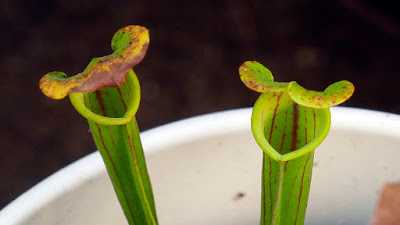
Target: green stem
pixel 124 160
pixel 276 218
pixel 285 190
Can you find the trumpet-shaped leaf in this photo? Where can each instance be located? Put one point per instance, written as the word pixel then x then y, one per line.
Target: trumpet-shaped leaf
pixel 107 93
pixel 288 123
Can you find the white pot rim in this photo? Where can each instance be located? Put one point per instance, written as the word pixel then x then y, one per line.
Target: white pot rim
pixel 180 132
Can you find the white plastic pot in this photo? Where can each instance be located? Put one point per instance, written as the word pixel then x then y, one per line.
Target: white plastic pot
pixel 206 171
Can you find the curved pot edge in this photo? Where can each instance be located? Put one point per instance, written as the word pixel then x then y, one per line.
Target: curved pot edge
pixel 179 132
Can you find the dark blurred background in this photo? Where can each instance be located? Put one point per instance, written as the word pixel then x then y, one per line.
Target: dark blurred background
pixel 191 67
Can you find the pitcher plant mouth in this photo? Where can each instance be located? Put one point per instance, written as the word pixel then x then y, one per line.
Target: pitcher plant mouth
pixel 292 129
pixel 78 101
pixel 284 108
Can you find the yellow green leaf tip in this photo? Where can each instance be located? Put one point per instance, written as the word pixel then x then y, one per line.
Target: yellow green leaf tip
pixel 129 45
pixel 258 78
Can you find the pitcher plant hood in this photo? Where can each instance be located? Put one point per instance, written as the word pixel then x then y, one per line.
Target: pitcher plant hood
pixel 129 45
